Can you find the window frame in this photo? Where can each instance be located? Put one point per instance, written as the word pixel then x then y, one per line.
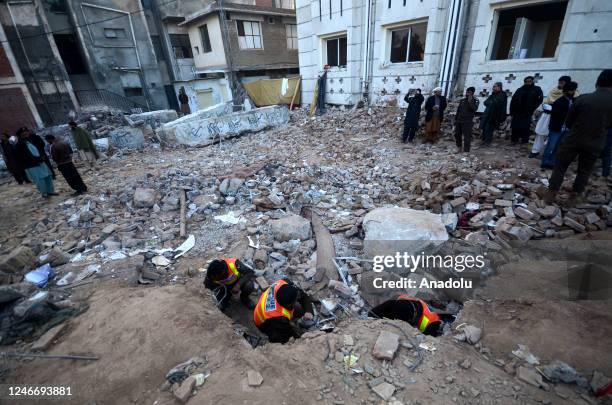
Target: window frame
pixel 291 39
pixel 493 25
pixel 260 35
pixel 400 27
pixel 336 38
pixel 205 38
pixel 182 46
pixel 114 31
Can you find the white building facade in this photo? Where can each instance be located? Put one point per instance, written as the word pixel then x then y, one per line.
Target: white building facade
pixel 380 49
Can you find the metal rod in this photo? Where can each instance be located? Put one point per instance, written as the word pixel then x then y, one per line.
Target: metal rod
pixel 48 356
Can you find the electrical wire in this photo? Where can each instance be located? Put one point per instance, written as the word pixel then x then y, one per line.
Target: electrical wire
pixel 45 33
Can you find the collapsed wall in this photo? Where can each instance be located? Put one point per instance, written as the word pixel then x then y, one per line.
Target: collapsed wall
pixel 216 123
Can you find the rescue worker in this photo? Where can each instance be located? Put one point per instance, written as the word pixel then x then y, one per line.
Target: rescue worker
pixel 278 306
pixel 411 310
pixel 227 278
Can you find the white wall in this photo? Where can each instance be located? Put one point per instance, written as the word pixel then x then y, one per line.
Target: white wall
pixel 585 48
pixel 216 58
pixel 220 88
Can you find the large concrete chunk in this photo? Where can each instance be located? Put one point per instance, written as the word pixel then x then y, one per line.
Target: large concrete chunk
pixel 153 118
pixel 21 258
pixel 144 197
pixel 392 230
pixel 205 131
pixel 46 340
pixel 386 345
pixel 290 227
pixel 126 138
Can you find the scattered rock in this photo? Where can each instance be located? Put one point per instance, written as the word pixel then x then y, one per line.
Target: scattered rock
pixel 290 227
pixel 45 341
pixel 386 345
pixel 254 378
pixel 384 390
pixel 144 197
pixel 21 258
pixel 185 390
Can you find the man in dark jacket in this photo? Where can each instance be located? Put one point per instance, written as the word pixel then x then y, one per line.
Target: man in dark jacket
pixel 524 102
pixel 434 106
pixel 227 278
pixel 12 163
pixel 589 120
pixel 412 310
pixel 557 128
pixel 413 113
pixel 278 307
pixel 61 153
pixel 40 145
pixel 495 113
pixel 464 120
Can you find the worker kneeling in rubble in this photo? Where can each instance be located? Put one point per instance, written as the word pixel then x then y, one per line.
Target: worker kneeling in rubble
pixel 278 306
pixel 227 278
pixel 411 310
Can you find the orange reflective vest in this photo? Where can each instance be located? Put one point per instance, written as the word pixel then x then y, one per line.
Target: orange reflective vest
pixel 233 276
pixel 427 316
pixel 268 306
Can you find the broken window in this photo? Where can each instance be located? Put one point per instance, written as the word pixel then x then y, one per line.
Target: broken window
pixel 132 91
pixel 288 4
pixel 336 52
pixel 249 34
pixel 528 32
pixel 181 46
pixel 206 47
pixel 68 48
pixel 408 43
pixel 292 40
pixel 157 48
pixel 114 32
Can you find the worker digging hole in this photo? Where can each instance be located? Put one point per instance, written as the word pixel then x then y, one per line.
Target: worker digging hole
pixel 283 310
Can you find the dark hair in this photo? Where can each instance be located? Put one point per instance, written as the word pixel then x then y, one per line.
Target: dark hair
pixel 499 84
pixel 286 295
pixel 217 270
pixel 72 123
pixel 605 78
pixel 529 77
pixel 49 137
pixel 22 130
pixel 565 79
pixel 569 86
pixel 472 89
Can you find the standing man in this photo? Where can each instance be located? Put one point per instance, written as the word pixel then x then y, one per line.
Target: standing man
pixel 184 101
pixel 589 119
pixel 495 113
pixel 541 129
pixel 227 278
pixel 413 113
pixel 524 102
pixel 434 106
pixel 61 153
pixel 464 120
pixel 84 144
pixel 32 159
pixel 12 163
pixel 557 127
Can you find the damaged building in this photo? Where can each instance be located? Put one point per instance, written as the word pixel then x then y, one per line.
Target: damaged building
pixel 379 50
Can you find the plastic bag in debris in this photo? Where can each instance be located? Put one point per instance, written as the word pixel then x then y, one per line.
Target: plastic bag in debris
pixel 181 371
pixel 40 276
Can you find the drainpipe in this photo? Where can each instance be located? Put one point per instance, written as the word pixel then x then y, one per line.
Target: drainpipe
pixel 450 46
pixel 365 79
pixel 25 54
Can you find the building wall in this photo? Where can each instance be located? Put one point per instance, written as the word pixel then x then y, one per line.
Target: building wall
pixel 314 27
pixel 210 60
pixel 16 105
pixel 584 49
pixel 274 37
pixel 220 89
pixel 125 61
pixel 42 78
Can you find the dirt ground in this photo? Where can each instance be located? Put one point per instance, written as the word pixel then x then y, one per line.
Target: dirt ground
pixel 140 333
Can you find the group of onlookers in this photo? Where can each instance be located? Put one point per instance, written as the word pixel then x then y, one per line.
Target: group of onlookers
pixel 569 126
pixel 27 158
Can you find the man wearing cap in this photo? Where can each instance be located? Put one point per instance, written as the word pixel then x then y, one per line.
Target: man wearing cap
pixel 278 308
pixel 434 107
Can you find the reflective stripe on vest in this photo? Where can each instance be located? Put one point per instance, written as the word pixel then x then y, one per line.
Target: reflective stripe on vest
pixel 268 306
pixel 427 316
pixel 234 274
